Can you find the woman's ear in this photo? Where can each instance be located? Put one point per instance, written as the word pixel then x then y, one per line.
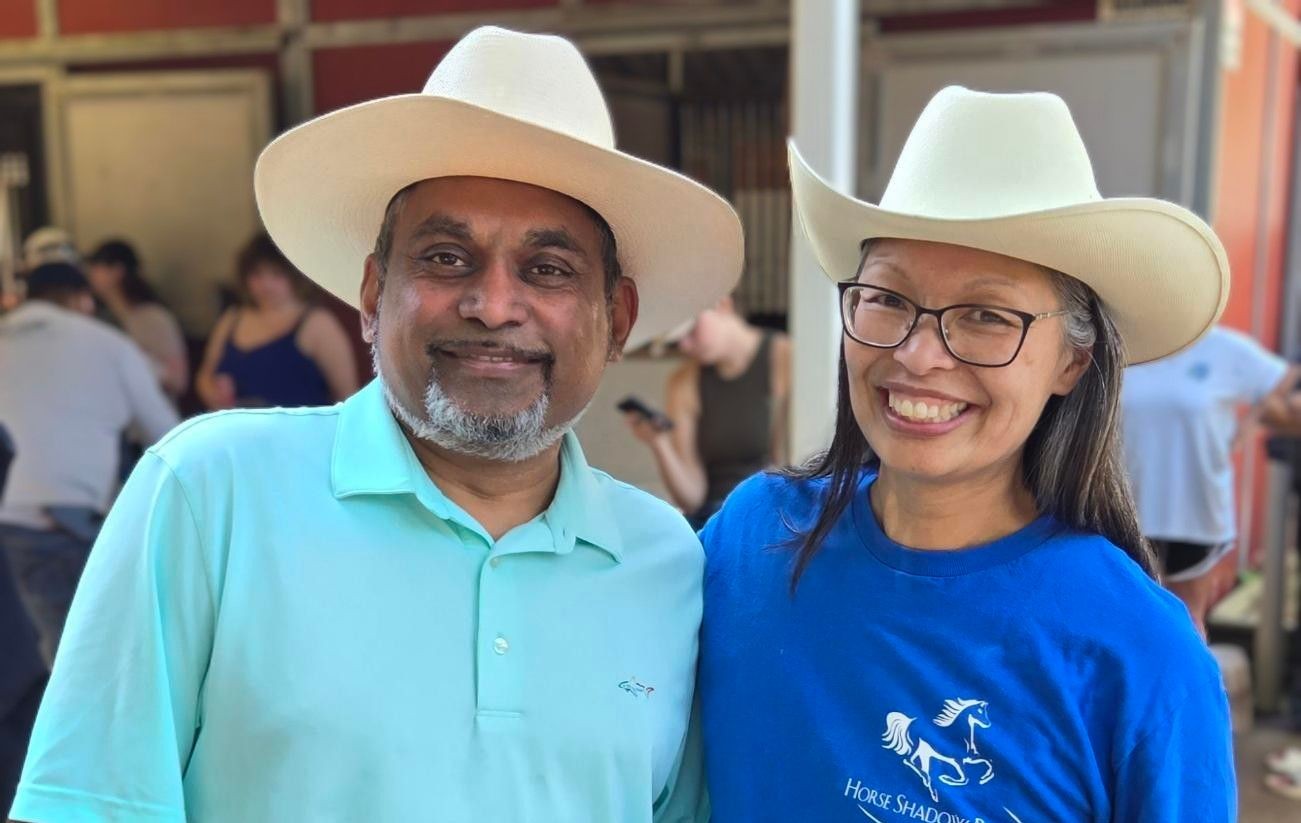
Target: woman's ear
pixel 1072 369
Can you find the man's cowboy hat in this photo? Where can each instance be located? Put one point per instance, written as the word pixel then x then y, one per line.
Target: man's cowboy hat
pixel 512 106
pixel 1008 173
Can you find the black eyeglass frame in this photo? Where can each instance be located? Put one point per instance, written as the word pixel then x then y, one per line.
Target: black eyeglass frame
pixel 920 311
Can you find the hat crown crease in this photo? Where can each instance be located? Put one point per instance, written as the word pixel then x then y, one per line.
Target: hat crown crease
pixel 974 156
pixel 498 69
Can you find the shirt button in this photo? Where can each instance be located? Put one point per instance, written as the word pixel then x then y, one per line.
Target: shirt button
pixel 500 645
pixel 495 562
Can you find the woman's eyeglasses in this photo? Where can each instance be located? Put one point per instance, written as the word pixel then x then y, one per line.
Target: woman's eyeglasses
pixel 978 335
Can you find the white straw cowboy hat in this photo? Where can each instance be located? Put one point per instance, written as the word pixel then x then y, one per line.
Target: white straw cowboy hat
pixel 513 106
pixel 1008 173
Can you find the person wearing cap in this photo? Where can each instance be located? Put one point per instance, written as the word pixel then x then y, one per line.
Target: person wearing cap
pixel 113 270
pixel 72 387
pixel 49 244
pixel 422 603
pixel 952 614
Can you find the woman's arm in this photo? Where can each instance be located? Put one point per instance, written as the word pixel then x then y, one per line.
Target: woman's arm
pixel 675 451
pixel 326 343
pixel 1280 410
pixel 172 356
pixel 216 391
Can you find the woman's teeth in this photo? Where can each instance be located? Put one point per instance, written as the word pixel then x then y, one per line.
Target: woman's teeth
pixel 920 411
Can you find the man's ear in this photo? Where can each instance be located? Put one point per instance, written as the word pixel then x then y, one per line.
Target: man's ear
pixel 623 315
pixel 372 282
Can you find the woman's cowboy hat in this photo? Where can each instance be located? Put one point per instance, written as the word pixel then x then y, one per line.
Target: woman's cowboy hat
pixel 513 106
pixel 1008 173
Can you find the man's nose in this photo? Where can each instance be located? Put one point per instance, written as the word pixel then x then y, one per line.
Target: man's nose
pixel 494 296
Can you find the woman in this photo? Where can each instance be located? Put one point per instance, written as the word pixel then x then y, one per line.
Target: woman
pixel 114 274
pixel 952 616
pixel 1181 423
pixel 277 349
pixel 727 403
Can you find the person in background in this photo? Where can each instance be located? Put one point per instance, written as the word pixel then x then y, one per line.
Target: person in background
pixel 113 270
pixel 49 244
pixel 22 671
pixel 278 348
pixel 1181 418
pixel 72 386
pixel 728 407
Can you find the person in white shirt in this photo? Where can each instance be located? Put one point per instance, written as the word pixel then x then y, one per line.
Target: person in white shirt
pixel 72 386
pixel 1183 417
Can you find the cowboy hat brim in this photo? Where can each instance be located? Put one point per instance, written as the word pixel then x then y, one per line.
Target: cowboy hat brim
pixel 1159 268
pixel 322 188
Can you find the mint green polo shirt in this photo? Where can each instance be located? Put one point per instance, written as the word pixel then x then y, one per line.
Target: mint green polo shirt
pixel 284 620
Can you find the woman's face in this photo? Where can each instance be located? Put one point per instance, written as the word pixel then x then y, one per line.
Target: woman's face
pixel 930 416
pixel 269 286
pixel 104 278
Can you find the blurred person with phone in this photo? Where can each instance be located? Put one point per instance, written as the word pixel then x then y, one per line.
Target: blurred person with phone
pixel 726 410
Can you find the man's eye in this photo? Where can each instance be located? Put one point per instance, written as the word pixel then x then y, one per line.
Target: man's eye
pixel 444 258
pixel 548 270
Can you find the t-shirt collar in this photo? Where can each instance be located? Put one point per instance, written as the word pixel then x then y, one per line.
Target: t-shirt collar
pixel 373 457
pixel 946 562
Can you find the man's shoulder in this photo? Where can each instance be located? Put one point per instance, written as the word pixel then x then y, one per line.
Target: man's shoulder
pixel 245 438
pixel 642 517
pixel 94 333
pixel 626 499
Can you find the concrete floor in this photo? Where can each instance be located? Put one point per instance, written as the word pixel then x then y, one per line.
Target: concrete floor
pixel 1257 803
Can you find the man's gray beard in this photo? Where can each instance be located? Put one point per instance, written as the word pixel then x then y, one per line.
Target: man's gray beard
pixel 509 438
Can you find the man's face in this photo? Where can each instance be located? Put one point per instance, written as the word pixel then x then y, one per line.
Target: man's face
pixel 493 321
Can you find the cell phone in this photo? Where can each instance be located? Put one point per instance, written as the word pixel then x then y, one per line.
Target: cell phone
pixel 634 404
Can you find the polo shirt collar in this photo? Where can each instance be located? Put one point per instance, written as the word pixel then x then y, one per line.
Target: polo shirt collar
pixel 372 457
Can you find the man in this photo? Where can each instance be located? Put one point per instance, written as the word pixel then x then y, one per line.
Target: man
pixel 420 604
pixel 72 387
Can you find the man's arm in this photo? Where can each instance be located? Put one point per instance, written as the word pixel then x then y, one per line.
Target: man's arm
pixel 120 715
pixel 685 798
pixel 152 414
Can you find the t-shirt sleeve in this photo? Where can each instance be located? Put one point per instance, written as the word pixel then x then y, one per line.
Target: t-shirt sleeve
pixel 1181 768
pixel 1256 370
pixel 151 413
pixel 121 713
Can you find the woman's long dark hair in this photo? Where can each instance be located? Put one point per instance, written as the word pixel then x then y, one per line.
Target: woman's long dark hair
pixel 1072 461
pixel 135 288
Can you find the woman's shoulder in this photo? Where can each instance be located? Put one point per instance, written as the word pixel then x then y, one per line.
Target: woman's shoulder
pixel 155 318
pixel 768 492
pixel 765 509
pixel 1106 599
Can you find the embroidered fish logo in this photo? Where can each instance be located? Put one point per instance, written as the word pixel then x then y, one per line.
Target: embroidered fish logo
pixel 636 688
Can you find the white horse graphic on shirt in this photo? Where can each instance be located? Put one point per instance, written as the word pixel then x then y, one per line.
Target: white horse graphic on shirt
pixel 922 756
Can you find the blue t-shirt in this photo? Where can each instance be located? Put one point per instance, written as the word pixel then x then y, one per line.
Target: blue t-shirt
pixel 1041 677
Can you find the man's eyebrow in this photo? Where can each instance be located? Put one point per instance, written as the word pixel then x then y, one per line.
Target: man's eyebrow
pixel 442 224
pixel 554 239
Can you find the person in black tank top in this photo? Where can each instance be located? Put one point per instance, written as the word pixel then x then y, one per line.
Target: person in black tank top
pixel 727 403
